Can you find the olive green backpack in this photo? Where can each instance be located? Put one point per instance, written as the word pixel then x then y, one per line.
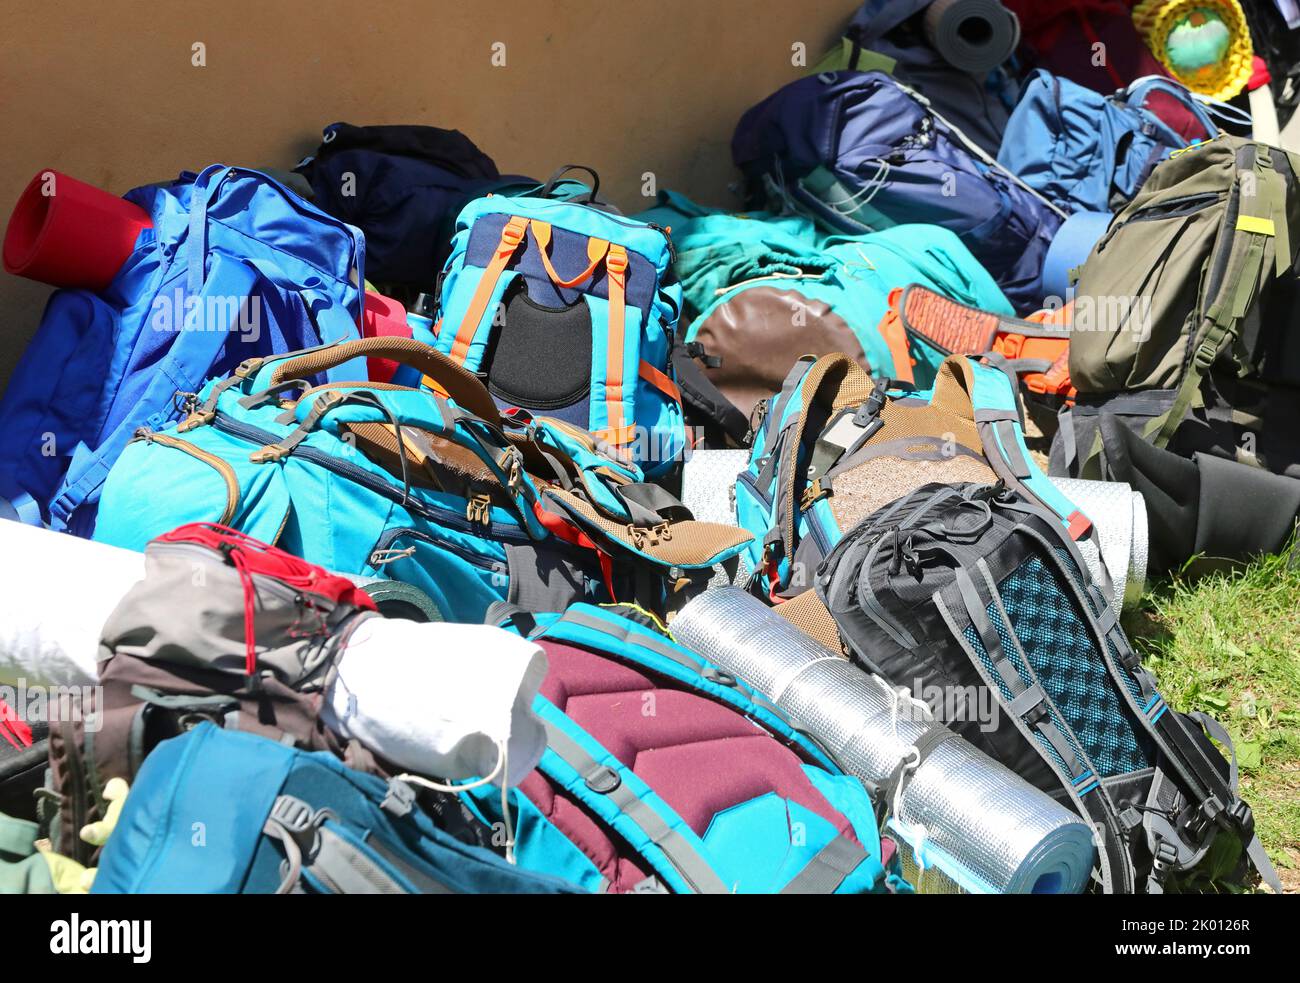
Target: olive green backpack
pixel 1185 351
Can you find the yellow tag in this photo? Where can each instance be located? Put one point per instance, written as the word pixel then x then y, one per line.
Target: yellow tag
pixel 1252 223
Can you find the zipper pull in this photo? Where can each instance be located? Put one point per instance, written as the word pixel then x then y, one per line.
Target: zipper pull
pixel 479 509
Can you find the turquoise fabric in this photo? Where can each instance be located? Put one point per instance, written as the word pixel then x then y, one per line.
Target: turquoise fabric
pixel 332 505
pixel 720 254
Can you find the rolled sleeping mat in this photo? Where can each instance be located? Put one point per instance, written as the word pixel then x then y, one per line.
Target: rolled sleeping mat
pixel 395 599
pixel 58 591
pixel 988 830
pixel 709 491
pixel 1120 516
pixel 71 234
pixel 58 597
pixel 1069 248
pixel 974 36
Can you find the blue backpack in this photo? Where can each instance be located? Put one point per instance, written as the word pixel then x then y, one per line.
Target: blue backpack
pixel 858 152
pixel 568 310
pixel 663 773
pixel 834 447
pixel 235 266
pixel 1088 152
pixel 403 186
pixel 392 480
pixel 224 812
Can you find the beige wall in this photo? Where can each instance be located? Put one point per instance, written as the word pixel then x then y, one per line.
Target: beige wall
pixel 107 93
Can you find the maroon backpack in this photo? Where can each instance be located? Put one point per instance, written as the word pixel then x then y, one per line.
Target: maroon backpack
pixel 664 773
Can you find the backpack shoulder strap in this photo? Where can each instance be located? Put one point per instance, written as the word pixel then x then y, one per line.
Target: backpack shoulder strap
pixel 1260 230
pixel 586 770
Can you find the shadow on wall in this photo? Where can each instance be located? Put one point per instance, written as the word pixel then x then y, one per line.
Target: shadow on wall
pixel 138 96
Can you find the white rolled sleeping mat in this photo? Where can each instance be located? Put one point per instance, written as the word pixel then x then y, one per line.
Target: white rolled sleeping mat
pixel 1120 516
pixel 985 828
pixel 59 590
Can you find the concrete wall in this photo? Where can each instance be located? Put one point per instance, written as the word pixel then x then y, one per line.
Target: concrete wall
pixel 107 92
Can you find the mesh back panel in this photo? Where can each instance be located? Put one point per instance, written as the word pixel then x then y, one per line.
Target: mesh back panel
pixel 1061 650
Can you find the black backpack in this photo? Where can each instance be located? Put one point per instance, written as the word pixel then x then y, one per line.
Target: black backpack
pixel 975 599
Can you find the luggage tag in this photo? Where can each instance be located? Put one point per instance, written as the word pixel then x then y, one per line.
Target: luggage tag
pixel 843 434
pixel 849 429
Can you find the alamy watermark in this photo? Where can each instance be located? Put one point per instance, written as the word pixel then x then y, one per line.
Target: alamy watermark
pixel 234 313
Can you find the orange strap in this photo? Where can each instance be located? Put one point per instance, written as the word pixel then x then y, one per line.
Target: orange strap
pixel 660 381
pixel 895 336
pixel 511 236
pixel 619 437
pixel 616 268
pixel 596 249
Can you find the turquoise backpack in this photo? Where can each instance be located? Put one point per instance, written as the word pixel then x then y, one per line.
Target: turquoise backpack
pixel 567 309
pixel 665 774
pixel 760 290
pixel 475 507
pixel 834 446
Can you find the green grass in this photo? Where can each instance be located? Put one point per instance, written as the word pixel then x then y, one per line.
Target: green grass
pixel 1228 644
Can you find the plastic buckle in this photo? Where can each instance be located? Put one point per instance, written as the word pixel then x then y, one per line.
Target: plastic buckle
pixel 1205 355
pixel 616 262
pixel 513 233
pixel 295 815
pixel 399 800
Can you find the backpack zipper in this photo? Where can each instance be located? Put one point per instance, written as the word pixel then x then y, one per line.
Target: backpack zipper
pixel 361 476
pixel 222 468
pixel 384 543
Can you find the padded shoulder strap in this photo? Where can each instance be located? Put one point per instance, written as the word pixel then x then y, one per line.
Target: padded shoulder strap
pixel 613 792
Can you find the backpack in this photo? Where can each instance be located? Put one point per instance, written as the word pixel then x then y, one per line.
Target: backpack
pixel 1087 152
pixel 1065 38
pixel 974 589
pixel 887 36
pixel 761 290
pixel 222 628
pixel 665 774
pixel 1183 354
pixel 568 310
pixel 236 266
pixel 403 187
pixel 393 480
pixel 858 152
pixel 834 446
pixel 281 820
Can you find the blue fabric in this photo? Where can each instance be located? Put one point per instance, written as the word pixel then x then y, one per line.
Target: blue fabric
pixel 235 266
pixel 193 824
pixel 899 163
pixel 1089 152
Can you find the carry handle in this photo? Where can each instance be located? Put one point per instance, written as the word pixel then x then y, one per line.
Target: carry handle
pixel 551 181
pixel 461 385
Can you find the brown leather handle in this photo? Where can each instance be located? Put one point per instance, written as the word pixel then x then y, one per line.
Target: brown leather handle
pixel 463 386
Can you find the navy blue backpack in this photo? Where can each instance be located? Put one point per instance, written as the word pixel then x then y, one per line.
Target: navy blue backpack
pixel 859 152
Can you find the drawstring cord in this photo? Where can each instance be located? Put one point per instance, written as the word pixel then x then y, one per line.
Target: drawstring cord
pixel 501 768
